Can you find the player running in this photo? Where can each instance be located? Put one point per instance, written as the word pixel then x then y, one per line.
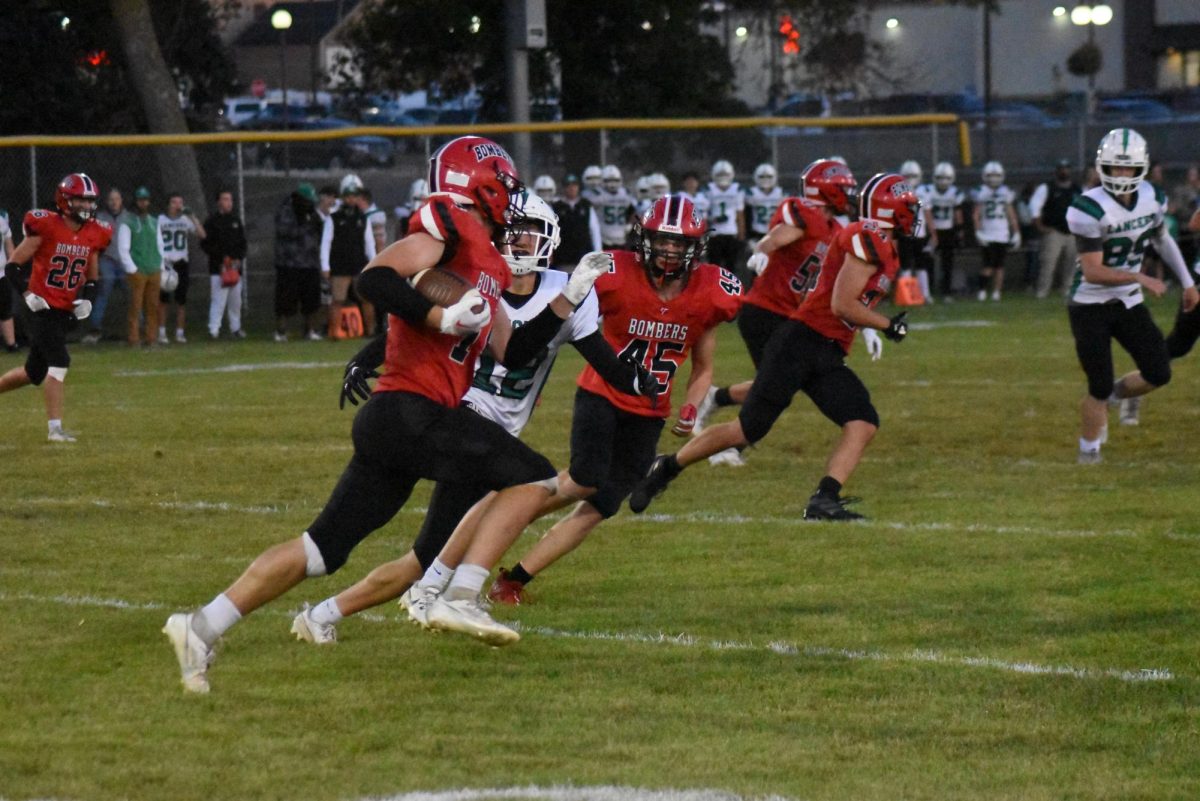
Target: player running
pixel 65 245
pixel 808 352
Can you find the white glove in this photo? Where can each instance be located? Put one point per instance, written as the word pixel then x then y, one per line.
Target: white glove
pixel 590 267
pixel 83 309
pixel 874 343
pixel 36 303
pixel 757 262
pixel 459 319
pixel 130 270
pixel 1015 240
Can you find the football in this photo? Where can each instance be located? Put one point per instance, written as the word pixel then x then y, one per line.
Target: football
pixel 442 287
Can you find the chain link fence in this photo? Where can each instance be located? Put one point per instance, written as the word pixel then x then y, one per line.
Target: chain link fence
pixel 263 169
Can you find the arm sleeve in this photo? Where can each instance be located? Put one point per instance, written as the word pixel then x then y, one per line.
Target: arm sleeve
pixel 392 294
pixel 162 253
pixel 528 341
pixel 327 242
pixel 594 229
pixel 372 354
pixel 599 354
pixel 1168 251
pixel 123 240
pixel 1037 201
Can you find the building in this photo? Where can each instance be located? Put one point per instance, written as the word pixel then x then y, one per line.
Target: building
pixel 310 48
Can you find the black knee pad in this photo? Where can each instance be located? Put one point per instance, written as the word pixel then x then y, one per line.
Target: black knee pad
pixel 1159 375
pixel 35 368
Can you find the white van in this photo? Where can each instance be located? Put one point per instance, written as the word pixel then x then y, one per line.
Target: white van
pixel 236 110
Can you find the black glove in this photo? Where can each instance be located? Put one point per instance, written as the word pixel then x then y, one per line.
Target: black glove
pixel 354 384
pixel 897 329
pixel 644 382
pixel 15 276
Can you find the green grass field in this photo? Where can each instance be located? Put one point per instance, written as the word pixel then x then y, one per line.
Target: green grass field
pixel 1008 625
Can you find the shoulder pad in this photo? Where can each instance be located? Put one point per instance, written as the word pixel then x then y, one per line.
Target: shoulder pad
pixel 864 241
pixel 1088 206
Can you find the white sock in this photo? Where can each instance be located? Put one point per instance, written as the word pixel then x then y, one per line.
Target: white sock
pixel 923 283
pixel 1089 445
pixel 162 331
pixel 326 613
pixel 437 576
pixel 467 582
pixel 54 425
pixel 215 619
pixel 178 333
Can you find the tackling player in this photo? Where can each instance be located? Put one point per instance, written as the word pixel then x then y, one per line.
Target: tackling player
pixel 414 425
pixel 65 246
pixel 1113 224
pixel 808 352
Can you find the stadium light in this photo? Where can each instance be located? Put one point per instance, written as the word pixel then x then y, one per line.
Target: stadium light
pixel 742 32
pixel 475 23
pixel 281 20
pixel 647 25
pixel 1081 15
pixel 1059 11
pixel 892 23
pixel 1102 14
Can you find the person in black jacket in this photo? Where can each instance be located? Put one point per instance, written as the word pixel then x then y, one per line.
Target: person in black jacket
pixel 578 223
pixel 298 230
pixel 1049 205
pixel 225 246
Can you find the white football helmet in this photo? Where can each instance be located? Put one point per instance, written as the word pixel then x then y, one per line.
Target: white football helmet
pixel 943 175
pixel 531 216
pixel 610 177
pixel 765 176
pixel 911 171
pixel 659 185
pixel 641 187
pixel 1122 147
pixel 591 177
pixel 993 174
pixel 168 280
pixel 545 187
pixel 417 193
pixel 722 174
pixel 351 183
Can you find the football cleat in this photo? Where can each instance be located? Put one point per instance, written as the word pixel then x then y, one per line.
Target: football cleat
pixel 468 616
pixel 1090 457
pixel 308 630
pixel 193 655
pixel 824 507
pixel 507 591
pixel 280 336
pixel 1130 409
pixel 58 435
pixel 730 457
pixel 162 338
pixel 705 409
pixel 657 478
pixel 416 601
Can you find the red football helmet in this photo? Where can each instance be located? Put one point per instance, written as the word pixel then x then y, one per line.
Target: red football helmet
pixel 670 237
pixel 889 201
pixel 829 182
pixel 477 172
pixel 76 196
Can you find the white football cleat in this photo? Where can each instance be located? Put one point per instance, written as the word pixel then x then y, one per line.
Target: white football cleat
pixel 1090 457
pixel 58 435
pixel 468 616
pixel 280 336
pixel 193 655
pixel 416 601
pixel 705 410
pixel 1130 410
pixel 309 630
pixel 730 457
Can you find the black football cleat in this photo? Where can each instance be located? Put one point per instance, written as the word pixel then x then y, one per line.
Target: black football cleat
pixel 662 470
pixel 824 507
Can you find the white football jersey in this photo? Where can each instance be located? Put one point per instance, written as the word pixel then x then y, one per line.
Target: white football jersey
pixel 174 233
pixel 5 228
pixel 612 208
pixel 700 201
pixel 591 194
pixel 1123 233
pixel 942 205
pixel 508 396
pixel 723 206
pixel 760 206
pixel 993 206
pixel 642 207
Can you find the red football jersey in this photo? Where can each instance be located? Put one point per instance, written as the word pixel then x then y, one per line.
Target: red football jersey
pixel 792 270
pixel 60 263
pixel 658 333
pixel 428 362
pixel 864 241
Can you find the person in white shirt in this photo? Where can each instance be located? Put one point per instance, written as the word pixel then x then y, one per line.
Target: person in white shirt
pixel 174 228
pixel 6 304
pixel 996 228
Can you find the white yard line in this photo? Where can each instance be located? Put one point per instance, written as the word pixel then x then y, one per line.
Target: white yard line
pixel 952 324
pixel 780 648
pixel 571 793
pixel 228 368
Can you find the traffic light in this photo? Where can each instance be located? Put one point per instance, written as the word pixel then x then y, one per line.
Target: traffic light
pixel 790 34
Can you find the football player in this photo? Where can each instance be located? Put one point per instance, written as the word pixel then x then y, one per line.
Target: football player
pixel 916 253
pixel 65 246
pixel 505 396
pixel 615 208
pixel 659 186
pixel 418 193
pixel 996 228
pixel 591 181
pixel 761 201
pixel 808 352
pixel 726 217
pixel 787 261
pixel 545 188
pixel 414 426
pixel 946 209
pixel 1112 225
pixel 7 332
pixel 641 194
pixel 659 303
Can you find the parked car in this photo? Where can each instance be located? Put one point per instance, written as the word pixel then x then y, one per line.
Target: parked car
pixel 334 154
pixel 235 111
pixel 1011 114
pixel 1131 109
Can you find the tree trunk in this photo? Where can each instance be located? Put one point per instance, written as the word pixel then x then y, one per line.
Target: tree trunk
pixel 177 165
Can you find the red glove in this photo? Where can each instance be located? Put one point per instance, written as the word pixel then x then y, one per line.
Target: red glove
pixel 686 422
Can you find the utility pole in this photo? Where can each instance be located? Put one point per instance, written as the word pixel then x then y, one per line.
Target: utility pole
pixel 526 21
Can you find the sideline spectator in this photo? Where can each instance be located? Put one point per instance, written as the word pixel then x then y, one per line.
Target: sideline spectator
pixel 111 272
pixel 578 224
pixel 418 192
pixel 1049 206
pixel 174 228
pixel 1030 238
pixel 225 245
pixel 7 330
pixel 298 227
pixel 1186 200
pixel 376 218
pixel 327 201
pixel 347 244
pixel 140 249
